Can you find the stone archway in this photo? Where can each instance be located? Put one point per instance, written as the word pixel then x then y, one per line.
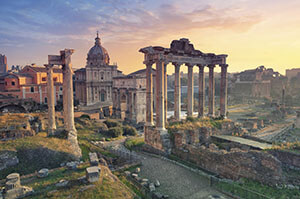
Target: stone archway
pixel 13 108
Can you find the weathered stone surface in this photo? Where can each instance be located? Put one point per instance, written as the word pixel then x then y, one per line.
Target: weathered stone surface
pixel 134 175
pixel 43 173
pixel 127 173
pixel 94 161
pixel 62 183
pixel 138 169
pixel 151 187
pixel 19 192
pixel 12 181
pixel 287 158
pixel 234 165
pixel 72 165
pixel 7 159
pixel 157 183
pixel 93 174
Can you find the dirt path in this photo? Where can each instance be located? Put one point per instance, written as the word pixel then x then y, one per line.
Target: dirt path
pixel 176 181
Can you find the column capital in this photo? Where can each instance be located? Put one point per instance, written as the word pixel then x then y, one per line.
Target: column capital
pixel 177 64
pixel 148 63
pixel 211 65
pixel 201 66
pixel 223 65
pixel 189 65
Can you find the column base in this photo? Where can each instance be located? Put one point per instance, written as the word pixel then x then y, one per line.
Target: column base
pixel 158 139
pixel 149 124
pixel 52 132
pixel 72 138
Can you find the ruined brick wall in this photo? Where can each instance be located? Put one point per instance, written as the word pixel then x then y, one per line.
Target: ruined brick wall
pixel 287 158
pixel 14 134
pixel 235 164
pixel 157 140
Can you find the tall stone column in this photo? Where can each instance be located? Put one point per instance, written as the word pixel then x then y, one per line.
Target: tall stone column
pixel 166 91
pixel 149 95
pixel 68 100
pixel 201 99
pixel 190 96
pixel 177 93
pixel 160 108
pixel 211 92
pixel 223 92
pixel 50 100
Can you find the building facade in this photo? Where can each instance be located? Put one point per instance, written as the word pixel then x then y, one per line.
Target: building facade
pixel 3 64
pixel 31 83
pixel 93 84
pixel 129 96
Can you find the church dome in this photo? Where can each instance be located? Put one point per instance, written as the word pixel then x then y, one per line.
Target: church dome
pixel 97 55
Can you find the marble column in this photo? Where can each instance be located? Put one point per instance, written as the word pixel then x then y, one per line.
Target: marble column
pixel 160 108
pixel 68 100
pixel 165 91
pixel 223 91
pixel 211 92
pixel 190 94
pixel 149 95
pixel 177 93
pixel 201 99
pixel 50 100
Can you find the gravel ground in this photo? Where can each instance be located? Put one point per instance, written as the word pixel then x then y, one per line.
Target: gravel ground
pixel 175 180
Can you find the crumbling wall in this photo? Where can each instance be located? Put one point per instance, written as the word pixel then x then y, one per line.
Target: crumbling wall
pixel 235 164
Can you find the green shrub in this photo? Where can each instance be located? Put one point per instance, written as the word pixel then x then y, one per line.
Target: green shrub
pixel 129 130
pixel 85 116
pixel 112 123
pixel 134 143
pixel 115 132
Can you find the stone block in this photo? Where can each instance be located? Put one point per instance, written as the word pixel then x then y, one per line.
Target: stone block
pixel 134 175
pixel 138 169
pixel 19 192
pixel 151 187
pixel 43 173
pixel 94 161
pixel 12 181
pixel 127 173
pixel 157 183
pixel 93 174
pixel 62 183
pixel 71 165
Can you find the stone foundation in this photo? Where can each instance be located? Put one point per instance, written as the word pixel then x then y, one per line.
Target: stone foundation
pixel 159 140
pixel 235 164
pixel 291 160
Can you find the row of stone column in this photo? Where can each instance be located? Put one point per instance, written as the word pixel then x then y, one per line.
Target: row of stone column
pixel 161 92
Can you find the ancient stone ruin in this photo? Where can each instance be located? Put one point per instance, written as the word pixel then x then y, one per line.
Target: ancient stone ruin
pixel 64 60
pixel 181 52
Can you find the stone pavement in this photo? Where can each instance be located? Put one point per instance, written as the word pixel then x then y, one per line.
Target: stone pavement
pixel 176 181
pixel 244 141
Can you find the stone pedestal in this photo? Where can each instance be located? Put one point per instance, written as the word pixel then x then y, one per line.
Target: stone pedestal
pixel 190 97
pixel 177 93
pixel 93 174
pixel 201 100
pixel 211 92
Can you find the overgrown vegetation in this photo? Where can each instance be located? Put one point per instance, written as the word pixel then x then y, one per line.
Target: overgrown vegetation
pixel 134 143
pixel 192 123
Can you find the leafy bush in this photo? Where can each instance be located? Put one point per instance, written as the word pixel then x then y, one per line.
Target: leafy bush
pixel 133 143
pixel 85 116
pixel 129 130
pixel 115 132
pixel 112 123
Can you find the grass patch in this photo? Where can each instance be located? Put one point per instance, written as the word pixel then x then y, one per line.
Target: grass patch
pixel 253 189
pixel 134 143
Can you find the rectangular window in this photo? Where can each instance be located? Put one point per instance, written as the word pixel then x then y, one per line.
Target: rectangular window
pixel 46 100
pixel 32 89
pixel 12 83
pixel 44 79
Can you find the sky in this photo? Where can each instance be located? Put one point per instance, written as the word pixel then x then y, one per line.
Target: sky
pixel 251 32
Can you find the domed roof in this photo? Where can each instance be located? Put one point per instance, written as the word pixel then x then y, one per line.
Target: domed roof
pixel 98 54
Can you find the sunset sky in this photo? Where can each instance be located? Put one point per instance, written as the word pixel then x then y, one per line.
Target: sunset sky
pixel 251 32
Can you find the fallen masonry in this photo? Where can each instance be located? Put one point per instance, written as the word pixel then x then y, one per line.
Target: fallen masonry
pixel 93 174
pixel 14 189
pixel 94 161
